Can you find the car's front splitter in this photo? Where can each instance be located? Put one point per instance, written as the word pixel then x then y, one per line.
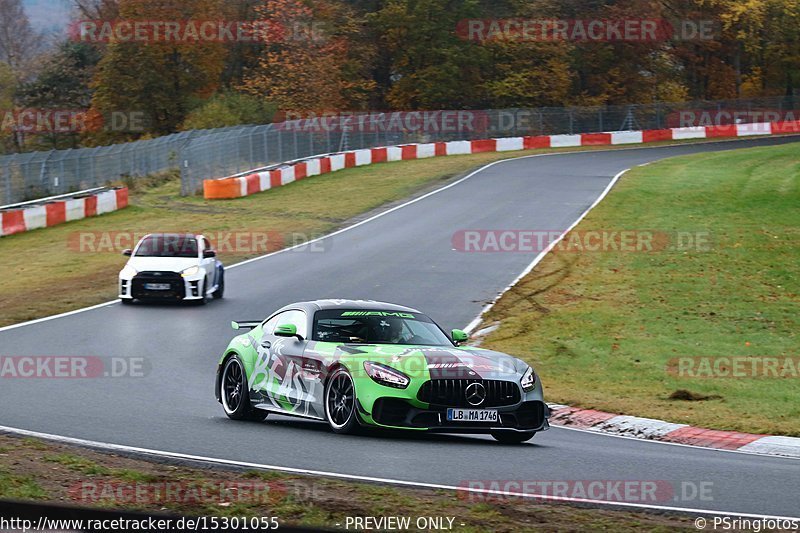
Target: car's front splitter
pixel 396 413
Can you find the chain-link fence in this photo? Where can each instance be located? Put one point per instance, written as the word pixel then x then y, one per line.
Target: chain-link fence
pixel 32 175
pixel 207 154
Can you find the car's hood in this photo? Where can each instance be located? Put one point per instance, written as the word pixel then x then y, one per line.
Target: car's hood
pixel 167 264
pixel 440 362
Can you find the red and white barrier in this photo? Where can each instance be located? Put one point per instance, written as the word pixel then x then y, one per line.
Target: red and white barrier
pixel 239 186
pixel 60 211
pixel 649 428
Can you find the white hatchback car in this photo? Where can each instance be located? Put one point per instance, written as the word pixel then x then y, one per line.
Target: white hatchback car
pixel 172 266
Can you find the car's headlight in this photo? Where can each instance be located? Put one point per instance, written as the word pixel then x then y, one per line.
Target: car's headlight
pixel 528 380
pixel 191 271
pixel 128 272
pixel 386 376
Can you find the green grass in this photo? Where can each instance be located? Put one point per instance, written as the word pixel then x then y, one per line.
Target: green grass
pixel 601 327
pixel 16 487
pixel 78 464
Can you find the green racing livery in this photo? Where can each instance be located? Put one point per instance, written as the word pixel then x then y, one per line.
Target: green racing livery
pixel 357 364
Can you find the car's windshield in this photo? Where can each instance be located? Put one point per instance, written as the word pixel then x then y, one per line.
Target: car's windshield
pixel 167 246
pixel 377 327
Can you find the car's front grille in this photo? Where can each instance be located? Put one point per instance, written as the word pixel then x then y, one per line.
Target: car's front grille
pixel 177 289
pixel 453 393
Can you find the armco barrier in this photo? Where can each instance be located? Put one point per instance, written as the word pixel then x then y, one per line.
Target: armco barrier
pixel 258 181
pixel 57 211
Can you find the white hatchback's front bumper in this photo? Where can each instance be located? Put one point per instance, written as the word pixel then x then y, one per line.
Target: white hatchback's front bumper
pixel 171 286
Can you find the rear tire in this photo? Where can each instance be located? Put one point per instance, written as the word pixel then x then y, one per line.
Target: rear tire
pixel 126 301
pixel 235 395
pixel 340 403
pixel 513 437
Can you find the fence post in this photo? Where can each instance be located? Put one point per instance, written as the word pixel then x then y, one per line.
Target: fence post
pixel 6 171
pixel 266 145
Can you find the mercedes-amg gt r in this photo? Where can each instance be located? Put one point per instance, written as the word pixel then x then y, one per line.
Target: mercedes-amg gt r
pixel 357 364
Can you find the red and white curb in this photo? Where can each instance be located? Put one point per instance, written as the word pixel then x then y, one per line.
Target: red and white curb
pixel 52 213
pixel 258 181
pixel 652 429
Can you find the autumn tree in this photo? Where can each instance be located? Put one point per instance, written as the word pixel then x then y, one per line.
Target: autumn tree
pixel 432 66
pixel 309 62
pixel 7 88
pixel 18 41
pixel 160 77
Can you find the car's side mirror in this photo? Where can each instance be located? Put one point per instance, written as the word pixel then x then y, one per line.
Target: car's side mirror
pixel 459 336
pixel 209 253
pixel 127 252
pixel 287 330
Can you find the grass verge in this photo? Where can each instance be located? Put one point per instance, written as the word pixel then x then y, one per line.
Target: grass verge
pixel 76 476
pixel 602 328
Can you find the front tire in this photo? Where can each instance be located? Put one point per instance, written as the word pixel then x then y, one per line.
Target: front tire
pixel 126 301
pixel 234 393
pixel 220 292
pixel 203 300
pixel 513 437
pixel 340 403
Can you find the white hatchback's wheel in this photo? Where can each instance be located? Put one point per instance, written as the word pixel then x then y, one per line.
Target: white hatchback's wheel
pixel 340 402
pixel 220 292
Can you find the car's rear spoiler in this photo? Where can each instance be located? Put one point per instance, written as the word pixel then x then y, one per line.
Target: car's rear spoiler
pixel 245 324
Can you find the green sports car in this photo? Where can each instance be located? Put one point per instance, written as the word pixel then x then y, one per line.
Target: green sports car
pixel 357 364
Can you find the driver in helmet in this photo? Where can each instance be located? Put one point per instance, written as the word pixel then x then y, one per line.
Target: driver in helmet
pixel 390 330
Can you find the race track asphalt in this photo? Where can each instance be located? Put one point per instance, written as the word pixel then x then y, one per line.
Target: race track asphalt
pixel 404 256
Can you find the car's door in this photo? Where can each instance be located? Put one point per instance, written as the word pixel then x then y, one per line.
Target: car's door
pixel 288 385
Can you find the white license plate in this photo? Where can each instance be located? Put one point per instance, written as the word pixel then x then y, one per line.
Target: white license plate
pixel 472 415
pixel 157 286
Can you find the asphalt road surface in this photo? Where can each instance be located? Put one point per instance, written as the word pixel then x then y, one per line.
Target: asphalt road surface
pixel 406 257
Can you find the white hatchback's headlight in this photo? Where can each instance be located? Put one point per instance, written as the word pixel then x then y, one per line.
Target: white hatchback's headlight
pixel 191 271
pixel 128 272
pixel 528 380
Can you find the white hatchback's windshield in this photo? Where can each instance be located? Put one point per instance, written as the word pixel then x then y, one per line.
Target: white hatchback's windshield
pixel 377 327
pixel 167 246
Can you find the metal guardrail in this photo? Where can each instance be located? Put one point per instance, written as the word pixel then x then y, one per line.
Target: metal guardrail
pixel 48 199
